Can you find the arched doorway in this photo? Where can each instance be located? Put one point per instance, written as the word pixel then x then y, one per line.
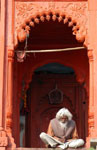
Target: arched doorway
pixel 53 86
pixel 48 35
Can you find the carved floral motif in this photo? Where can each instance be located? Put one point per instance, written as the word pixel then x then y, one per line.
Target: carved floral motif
pixel 3 139
pixel 29 13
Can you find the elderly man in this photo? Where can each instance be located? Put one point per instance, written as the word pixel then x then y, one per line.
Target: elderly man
pixel 62 131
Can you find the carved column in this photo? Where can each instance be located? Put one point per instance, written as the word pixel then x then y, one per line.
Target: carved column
pixel 10 98
pixel 10 88
pixel 10 50
pixel 91 97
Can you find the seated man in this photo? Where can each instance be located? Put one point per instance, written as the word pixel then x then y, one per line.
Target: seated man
pixel 62 131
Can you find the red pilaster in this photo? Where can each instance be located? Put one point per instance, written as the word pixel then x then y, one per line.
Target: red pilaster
pixel 2 49
pixel 3 137
pixel 92 54
pixel 10 51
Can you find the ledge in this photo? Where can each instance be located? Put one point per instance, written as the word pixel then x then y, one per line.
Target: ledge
pixel 48 148
pixel 51 0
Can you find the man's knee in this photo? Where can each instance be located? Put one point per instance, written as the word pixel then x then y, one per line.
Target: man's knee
pixel 80 142
pixel 42 135
pixel 77 143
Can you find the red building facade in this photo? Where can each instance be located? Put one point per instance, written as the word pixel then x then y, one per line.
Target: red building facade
pixel 47 25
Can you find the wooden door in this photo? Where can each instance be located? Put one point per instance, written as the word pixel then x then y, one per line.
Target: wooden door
pixel 41 111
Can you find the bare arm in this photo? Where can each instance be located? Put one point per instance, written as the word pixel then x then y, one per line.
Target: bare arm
pixel 75 133
pixel 50 131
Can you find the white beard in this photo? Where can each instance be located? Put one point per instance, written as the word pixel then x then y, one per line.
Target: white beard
pixel 63 125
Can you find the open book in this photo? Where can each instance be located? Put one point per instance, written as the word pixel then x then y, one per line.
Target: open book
pixel 61 144
pixel 55 140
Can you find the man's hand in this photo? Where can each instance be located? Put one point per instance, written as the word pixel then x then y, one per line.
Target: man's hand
pixel 60 139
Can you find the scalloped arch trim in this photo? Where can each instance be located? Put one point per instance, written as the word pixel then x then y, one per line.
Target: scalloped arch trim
pixel 71 14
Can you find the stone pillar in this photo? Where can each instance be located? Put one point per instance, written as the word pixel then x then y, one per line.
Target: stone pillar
pixel 92 54
pixel 11 143
pixel 10 54
pixel 10 91
pixel 3 136
pixel 91 98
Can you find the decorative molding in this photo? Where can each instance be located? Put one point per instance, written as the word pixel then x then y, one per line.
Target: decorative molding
pixel 10 55
pixel 91 124
pixel 3 139
pixel 11 143
pixel 90 55
pixel 29 13
pixel 91 119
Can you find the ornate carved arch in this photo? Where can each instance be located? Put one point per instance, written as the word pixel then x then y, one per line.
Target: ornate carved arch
pixel 29 13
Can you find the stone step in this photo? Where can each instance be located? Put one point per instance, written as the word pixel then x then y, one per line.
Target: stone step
pixel 21 148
